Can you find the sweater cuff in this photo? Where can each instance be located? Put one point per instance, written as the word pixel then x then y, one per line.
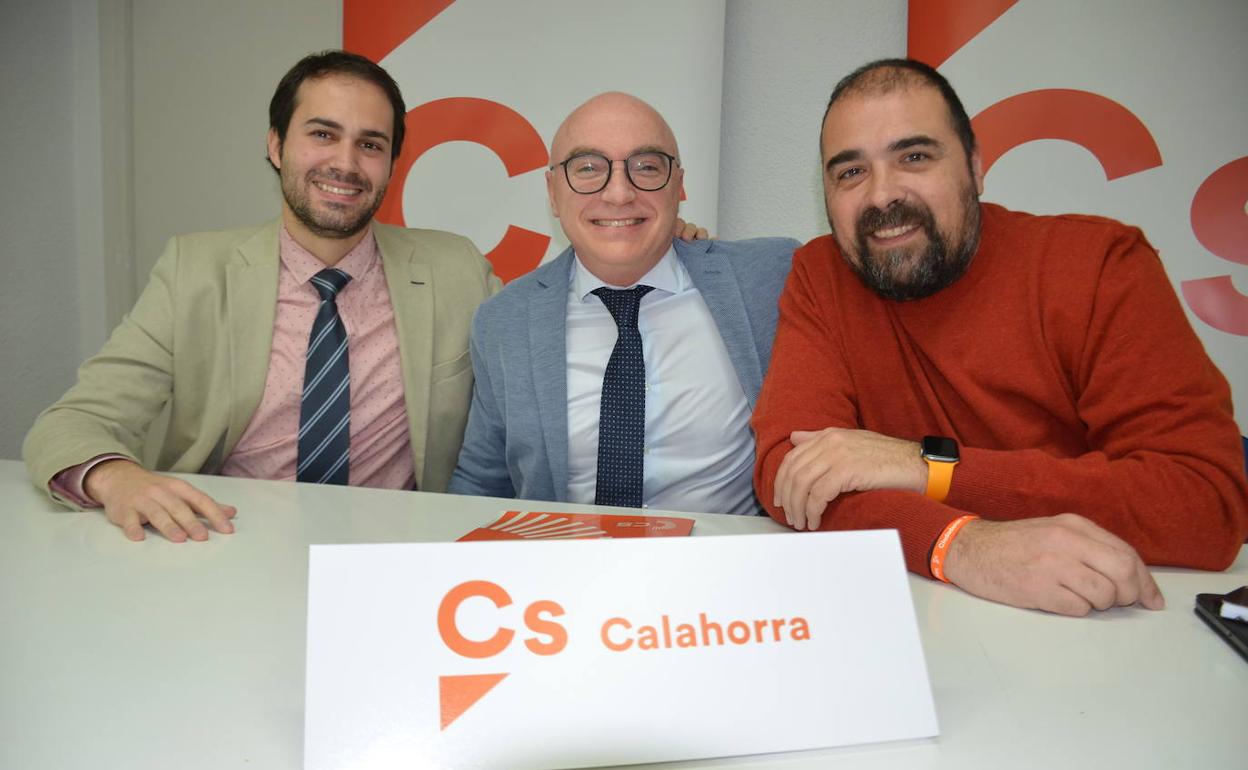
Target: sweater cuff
pixel 918 539
pixel 918 520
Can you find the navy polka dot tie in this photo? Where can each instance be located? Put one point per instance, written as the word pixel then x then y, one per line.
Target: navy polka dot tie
pixel 622 416
pixel 324 414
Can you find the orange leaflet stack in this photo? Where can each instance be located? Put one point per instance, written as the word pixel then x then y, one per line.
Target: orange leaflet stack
pixel 536 525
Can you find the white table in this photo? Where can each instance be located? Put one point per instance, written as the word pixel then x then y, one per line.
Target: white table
pixel 136 655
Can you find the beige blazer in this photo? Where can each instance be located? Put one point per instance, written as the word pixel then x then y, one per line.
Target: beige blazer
pixel 195 351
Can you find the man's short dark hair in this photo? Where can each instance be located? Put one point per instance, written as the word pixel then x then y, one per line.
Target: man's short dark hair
pixel 334 62
pixel 884 76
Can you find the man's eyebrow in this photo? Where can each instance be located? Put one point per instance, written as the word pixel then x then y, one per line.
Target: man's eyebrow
pixel 918 140
pixel 323 122
pixel 844 156
pixel 335 125
pixel 582 150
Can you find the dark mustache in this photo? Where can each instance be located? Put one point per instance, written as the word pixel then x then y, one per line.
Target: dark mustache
pixel 896 215
pixel 334 175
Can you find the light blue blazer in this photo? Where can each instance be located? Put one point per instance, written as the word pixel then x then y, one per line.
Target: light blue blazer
pixel 516 443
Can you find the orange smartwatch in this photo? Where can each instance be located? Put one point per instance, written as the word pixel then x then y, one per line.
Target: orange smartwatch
pixel 941 454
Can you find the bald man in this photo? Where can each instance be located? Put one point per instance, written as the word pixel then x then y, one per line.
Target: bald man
pixel 624 371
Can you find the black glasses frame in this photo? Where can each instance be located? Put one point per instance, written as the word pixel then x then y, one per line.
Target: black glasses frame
pixel 672 162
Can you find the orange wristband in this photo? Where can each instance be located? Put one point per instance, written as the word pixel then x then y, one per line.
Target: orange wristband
pixel 941 548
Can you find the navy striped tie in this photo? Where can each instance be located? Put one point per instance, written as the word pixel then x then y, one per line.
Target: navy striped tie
pixel 622 414
pixel 325 413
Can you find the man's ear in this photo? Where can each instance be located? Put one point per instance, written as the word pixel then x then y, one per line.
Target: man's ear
pixel 550 192
pixel 275 149
pixel 977 172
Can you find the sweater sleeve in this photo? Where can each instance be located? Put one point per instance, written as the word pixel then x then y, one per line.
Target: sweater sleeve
pixel 809 387
pixel 1165 471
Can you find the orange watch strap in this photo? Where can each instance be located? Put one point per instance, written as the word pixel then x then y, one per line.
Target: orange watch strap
pixel 939 479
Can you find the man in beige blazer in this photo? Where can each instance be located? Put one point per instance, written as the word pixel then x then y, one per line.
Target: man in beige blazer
pixel 196 349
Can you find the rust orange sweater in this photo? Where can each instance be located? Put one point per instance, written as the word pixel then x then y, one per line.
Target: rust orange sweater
pixel 1062 363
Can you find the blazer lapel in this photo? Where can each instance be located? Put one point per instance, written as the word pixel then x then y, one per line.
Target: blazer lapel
pixel 410 283
pixel 251 305
pixel 721 289
pixel 548 316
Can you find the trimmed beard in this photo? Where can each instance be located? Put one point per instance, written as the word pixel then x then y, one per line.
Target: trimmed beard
pixel 900 274
pixel 322 225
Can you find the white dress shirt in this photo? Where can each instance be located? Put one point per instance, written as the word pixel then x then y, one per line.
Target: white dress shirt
pixel 699 453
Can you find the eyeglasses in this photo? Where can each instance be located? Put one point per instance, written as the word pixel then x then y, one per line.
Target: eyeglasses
pixel 590 172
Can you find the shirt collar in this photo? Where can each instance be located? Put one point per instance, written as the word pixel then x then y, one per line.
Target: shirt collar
pixel 303 264
pixel 668 275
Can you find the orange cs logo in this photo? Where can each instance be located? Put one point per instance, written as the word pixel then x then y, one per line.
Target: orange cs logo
pixel 1112 133
pixel 456 694
pixel 374 28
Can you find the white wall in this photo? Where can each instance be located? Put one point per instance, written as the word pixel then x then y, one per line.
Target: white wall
pixel 126 121
pixel 781 60
pixel 45 75
pixel 203 76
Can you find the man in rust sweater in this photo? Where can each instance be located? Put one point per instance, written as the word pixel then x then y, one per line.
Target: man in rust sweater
pixel 1021 397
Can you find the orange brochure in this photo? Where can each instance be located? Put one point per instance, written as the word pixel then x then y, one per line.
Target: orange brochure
pixel 536 525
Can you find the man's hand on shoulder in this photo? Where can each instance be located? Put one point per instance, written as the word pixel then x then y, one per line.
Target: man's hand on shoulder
pixel 1063 564
pixel 825 464
pixel 688 231
pixel 133 496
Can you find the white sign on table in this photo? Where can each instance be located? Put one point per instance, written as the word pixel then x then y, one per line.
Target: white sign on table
pixel 603 652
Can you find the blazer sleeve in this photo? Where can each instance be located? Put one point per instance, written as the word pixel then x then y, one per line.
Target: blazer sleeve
pixel 465 279
pixel 119 391
pixel 482 467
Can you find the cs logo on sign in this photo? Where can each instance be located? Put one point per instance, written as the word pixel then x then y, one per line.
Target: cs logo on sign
pixel 456 694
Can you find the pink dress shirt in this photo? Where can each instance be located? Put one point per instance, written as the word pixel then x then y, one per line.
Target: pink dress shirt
pixel 268 449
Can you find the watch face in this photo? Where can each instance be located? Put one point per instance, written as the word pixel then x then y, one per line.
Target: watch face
pixel 940 448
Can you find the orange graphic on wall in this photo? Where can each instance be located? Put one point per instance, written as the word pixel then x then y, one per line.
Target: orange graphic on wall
pixel 1220 221
pixel 1111 132
pixel 1115 137
pixel 936 29
pixel 374 28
